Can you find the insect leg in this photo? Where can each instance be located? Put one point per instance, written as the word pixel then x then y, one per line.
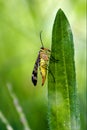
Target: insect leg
pixel 51 74
pixel 53 59
pixel 47 68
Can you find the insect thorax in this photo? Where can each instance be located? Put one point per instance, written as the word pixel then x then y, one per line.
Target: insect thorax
pixel 44 54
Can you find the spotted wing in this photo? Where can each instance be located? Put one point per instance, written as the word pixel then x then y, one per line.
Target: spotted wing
pixel 35 71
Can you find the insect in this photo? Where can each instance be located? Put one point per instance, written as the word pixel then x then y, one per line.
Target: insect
pixel 41 63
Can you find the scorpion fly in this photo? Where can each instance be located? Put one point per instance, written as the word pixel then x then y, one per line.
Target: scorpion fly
pixel 41 63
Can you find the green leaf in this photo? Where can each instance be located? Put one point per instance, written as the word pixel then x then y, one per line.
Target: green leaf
pixel 63 110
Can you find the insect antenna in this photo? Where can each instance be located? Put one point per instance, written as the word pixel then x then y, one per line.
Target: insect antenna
pixel 41 39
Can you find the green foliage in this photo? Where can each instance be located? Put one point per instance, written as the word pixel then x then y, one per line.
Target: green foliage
pixel 20 24
pixel 62 93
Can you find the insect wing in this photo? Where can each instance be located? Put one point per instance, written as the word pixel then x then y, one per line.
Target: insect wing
pixel 35 71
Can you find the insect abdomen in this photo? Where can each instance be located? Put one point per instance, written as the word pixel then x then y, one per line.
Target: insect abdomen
pixel 43 65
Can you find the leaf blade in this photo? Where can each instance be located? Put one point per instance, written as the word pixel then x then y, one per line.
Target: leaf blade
pixel 62 94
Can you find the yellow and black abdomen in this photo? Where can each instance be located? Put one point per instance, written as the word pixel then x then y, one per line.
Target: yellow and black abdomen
pixel 43 65
pixel 43 70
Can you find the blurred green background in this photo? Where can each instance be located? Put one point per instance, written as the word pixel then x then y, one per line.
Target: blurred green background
pixel 20 24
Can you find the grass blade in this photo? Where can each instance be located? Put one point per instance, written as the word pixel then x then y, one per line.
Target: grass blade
pixel 18 108
pixel 62 93
pixel 5 121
